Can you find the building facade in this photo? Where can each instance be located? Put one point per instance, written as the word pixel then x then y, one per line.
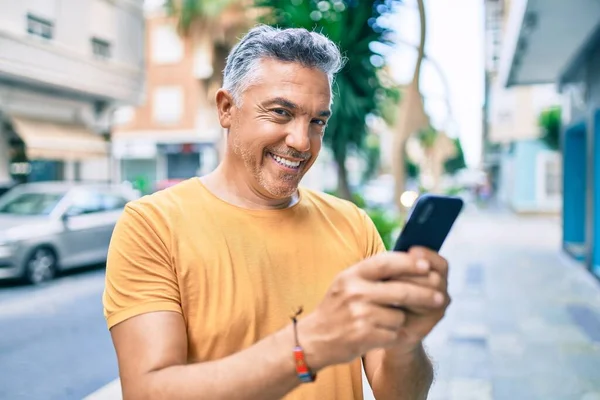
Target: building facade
pixel 559 42
pixel 175 133
pixel 525 172
pixel 65 66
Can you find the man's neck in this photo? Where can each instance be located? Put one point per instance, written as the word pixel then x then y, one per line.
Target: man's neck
pixel 232 187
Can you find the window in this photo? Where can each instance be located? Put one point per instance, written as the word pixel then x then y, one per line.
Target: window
pixel 100 48
pixel 553 176
pixel 123 115
pixel 111 202
pixel 167 47
pixel 168 104
pixel 31 203
pixel 85 202
pixel 40 27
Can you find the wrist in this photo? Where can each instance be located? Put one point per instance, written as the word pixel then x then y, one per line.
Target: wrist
pixel 404 354
pixel 312 345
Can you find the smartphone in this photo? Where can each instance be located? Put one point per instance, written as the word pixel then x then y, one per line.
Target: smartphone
pixel 429 222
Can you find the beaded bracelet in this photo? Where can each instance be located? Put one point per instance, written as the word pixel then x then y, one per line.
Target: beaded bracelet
pixel 304 373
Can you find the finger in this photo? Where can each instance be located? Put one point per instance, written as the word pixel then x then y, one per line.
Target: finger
pixel 381 337
pixel 404 294
pixel 387 265
pixel 437 262
pixel 387 318
pixel 433 280
pixel 422 311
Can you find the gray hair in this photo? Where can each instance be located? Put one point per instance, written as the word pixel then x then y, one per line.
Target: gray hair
pixel 294 45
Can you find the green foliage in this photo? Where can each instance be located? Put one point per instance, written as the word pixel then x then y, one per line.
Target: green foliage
pixel 388 98
pixel 427 137
pixel 358 91
pixel 412 169
pixel 386 225
pixel 550 122
pixel 372 155
pixel 142 183
pixel 453 191
pixel 458 162
pixel 359 200
pixel 190 11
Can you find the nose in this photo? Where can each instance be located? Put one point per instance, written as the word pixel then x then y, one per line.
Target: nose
pixel 298 137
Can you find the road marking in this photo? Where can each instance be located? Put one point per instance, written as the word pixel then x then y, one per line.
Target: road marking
pixel 111 391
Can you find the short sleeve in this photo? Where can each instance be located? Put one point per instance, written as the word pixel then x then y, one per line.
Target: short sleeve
pixel 373 242
pixel 140 277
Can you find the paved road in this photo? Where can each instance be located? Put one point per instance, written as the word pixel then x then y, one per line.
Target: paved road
pixel 53 340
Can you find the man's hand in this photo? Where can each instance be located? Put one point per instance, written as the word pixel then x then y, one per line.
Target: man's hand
pixel 421 320
pixel 364 309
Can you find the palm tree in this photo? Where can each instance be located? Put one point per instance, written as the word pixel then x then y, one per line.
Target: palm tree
pixel 214 26
pixel 353 26
pixel 411 115
pixel 435 149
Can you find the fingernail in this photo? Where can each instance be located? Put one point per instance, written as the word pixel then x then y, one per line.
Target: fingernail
pixel 438 298
pixel 422 265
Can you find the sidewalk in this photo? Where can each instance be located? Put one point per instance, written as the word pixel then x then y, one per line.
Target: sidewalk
pixel 524 323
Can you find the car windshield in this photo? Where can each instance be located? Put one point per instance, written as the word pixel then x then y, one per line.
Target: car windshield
pixel 30 203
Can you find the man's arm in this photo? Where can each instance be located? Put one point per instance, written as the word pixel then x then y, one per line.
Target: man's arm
pixel 399 376
pixel 152 353
pixel 353 318
pixel 404 371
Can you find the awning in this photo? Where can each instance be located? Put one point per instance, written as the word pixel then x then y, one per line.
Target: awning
pixel 542 37
pixel 57 141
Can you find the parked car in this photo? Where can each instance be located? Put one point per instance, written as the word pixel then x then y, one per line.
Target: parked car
pixel 6 186
pixel 52 226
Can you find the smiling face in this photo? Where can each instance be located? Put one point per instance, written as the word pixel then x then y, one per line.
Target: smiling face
pixel 276 133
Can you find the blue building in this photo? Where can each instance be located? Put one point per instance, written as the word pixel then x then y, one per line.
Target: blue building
pixel 557 41
pixel 529 177
pixel 524 171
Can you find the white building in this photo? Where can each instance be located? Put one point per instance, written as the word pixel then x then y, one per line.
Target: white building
pixel 65 65
pixel 524 171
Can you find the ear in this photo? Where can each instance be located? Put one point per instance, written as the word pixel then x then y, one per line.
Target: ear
pixel 225 106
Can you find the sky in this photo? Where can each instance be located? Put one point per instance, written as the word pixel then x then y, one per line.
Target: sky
pixel 454 42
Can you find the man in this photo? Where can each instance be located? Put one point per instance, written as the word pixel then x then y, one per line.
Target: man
pixel 203 278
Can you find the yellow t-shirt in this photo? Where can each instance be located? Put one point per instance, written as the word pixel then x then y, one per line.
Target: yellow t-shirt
pixel 235 274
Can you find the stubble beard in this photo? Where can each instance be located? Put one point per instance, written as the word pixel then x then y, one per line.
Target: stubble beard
pixel 272 186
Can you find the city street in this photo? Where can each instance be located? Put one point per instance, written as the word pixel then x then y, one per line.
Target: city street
pixel 53 340
pixel 524 323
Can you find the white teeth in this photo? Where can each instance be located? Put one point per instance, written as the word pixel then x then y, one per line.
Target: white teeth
pixel 287 163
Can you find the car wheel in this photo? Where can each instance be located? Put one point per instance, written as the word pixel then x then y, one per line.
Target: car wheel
pixel 40 267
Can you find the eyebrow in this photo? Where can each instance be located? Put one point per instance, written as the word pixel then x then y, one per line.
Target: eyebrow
pixel 292 106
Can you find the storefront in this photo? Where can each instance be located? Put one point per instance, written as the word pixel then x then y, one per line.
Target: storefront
pixel 148 164
pixel 46 150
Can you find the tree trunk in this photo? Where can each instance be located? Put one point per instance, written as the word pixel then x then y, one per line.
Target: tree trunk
pixel 399 172
pixel 411 116
pixel 343 189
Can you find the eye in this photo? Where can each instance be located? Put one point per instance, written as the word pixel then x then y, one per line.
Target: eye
pixel 319 122
pixel 281 112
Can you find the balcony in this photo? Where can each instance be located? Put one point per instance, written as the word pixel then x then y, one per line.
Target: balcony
pixel 49 65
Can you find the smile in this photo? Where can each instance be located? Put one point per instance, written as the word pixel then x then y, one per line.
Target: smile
pixel 285 162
